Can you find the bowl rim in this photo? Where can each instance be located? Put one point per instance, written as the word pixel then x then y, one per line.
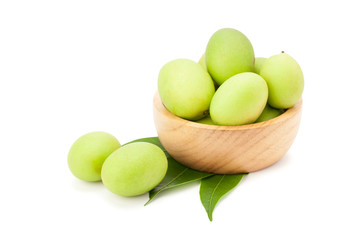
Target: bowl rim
pixel 281 118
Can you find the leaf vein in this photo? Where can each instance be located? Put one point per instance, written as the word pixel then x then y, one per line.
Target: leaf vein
pixel 177 176
pixel 217 185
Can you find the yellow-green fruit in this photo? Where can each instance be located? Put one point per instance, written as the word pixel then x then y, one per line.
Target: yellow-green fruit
pixel 202 62
pixel 259 62
pixel 88 153
pixel 185 89
pixel 134 169
pixel 228 53
pixel 285 80
pixel 239 100
pixel 269 113
pixel 206 120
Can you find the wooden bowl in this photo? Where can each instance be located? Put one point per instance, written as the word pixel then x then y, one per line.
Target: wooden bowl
pixel 226 149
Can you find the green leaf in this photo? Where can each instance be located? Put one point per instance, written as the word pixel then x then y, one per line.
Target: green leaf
pixel 176 175
pixel 215 187
pixel 153 140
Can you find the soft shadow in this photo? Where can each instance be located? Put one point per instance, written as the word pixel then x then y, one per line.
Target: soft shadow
pixel 113 199
pixel 84 186
pixel 174 190
pixel 282 163
pixel 125 202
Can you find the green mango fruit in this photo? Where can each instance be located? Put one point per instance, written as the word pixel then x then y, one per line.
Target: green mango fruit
pixel 269 113
pixel 259 62
pixel 134 169
pixel 185 89
pixel 88 153
pixel 206 120
pixel 285 80
pixel 228 53
pixel 239 100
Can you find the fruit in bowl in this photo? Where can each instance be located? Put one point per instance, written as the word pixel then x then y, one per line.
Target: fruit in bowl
pixel 246 124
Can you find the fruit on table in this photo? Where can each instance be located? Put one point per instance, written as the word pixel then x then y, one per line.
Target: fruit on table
pixel 228 53
pixel 206 120
pixel 239 100
pixel 88 153
pixel 285 80
pixel 259 62
pixel 269 113
pixel 185 89
pixel 134 169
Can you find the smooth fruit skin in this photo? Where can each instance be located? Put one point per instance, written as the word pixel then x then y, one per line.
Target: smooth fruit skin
pixel 206 120
pixel 185 89
pixel 285 80
pixel 240 100
pixel 134 169
pixel 228 53
pixel 269 113
pixel 259 62
pixel 202 62
pixel 88 153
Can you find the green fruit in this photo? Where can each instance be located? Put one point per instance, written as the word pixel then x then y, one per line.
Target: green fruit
pixel 228 53
pixel 185 89
pixel 88 153
pixel 259 62
pixel 285 80
pixel 202 62
pixel 134 169
pixel 269 113
pixel 240 100
pixel 206 120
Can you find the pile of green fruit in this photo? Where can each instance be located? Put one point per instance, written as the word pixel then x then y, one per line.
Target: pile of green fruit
pixel 129 170
pixel 229 86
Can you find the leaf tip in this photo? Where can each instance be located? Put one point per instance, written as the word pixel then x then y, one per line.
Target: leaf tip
pixel 210 217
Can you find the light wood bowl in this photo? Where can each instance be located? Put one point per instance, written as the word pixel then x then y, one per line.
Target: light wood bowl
pixel 226 149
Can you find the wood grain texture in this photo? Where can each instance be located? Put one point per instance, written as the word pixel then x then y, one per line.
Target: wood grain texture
pixel 226 149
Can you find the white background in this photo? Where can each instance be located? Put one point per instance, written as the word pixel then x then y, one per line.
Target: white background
pixel 70 67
